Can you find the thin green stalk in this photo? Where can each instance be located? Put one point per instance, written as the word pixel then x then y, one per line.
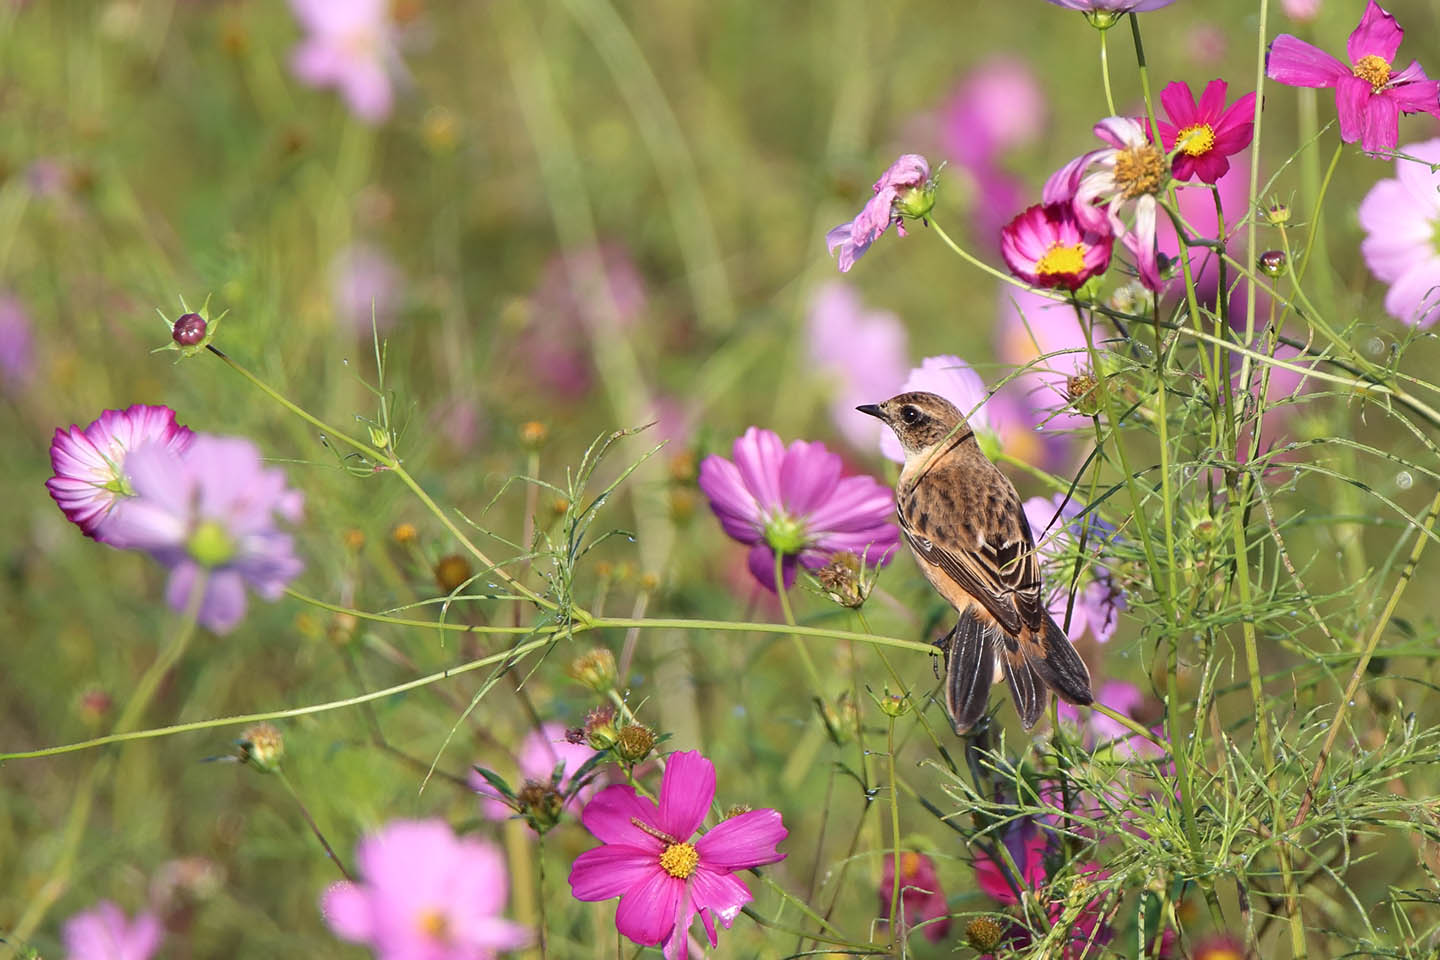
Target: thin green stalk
pixel 1105 72
pixel 800 648
pixel 314 827
pixel 895 933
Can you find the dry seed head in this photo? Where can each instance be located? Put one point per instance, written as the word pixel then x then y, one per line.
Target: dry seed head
pixel 262 747
pixel 983 934
pixel 452 572
pixel 594 669
pixel 634 742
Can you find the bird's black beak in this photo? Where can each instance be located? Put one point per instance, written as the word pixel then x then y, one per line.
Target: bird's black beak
pixel 872 409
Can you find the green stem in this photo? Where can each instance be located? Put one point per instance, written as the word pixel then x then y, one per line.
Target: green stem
pixel 314 827
pixel 1105 72
pixel 800 648
pixel 895 933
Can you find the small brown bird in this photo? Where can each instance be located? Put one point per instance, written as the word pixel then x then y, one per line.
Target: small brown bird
pixel 963 521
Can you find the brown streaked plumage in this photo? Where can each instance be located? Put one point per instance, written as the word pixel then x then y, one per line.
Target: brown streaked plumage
pixel 964 524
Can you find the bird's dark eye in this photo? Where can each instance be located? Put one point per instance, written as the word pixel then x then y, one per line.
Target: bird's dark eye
pixel 910 414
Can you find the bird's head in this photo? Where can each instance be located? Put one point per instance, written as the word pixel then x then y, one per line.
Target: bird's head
pixel 920 421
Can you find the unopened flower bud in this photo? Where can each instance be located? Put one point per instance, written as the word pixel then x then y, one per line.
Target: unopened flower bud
pixel 559 507
pixel 682 467
pixel 95 703
pixel 540 804
pixel 404 533
pixel 634 742
pixel 649 582
pixel 600 730
pixel 1083 391
pixel 843 580
pixel 1271 263
pixel 341 629
pixel 189 329
pixel 595 669
pixel 533 434
pixel 893 704
pixel 983 934
pixel 1277 214
pixel 1132 298
pixel 262 747
pixel 452 572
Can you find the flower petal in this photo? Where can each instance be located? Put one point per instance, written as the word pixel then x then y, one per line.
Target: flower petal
pixel 719 893
pixel 611 815
pixel 647 913
pixel 1295 63
pixel 808 475
pixel 1381 133
pixel 1377 35
pixel 611 870
pixel 685 794
pixel 733 504
pixel 346 908
pixel 744 841
pixel 1352 102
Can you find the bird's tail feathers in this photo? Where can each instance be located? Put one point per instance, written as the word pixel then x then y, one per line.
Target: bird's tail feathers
pixel 969 670
pixel 1054 658
pixel 1027 687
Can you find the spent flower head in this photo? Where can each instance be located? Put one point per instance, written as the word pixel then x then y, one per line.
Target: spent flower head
pixel 905 191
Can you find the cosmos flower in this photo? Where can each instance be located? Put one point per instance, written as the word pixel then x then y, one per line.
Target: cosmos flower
pixel 17 345
pixel 903 191
pixel 540 752
pixel 794 502
pixel 650 858
pixel 1026 840
pixel 349 45
pixel 364 283
pixel 1030 326
pixel 91 465
pixel 1098 599
pixel 104 933
pixel 1401 218
pixel 1098 185
pixel 998 106
pixel 1370 94
pixel 1047 247
pixel 424 894
pixel 1301 11
pixel 1206 133
pixel 1098 730
pixel 209 514
pixel 1112 6
pixel 921 898
pixel 863 352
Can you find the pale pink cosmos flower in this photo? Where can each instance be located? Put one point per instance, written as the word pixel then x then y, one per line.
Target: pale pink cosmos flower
pixel 1370 94
pixel 425 894
pixel 1098 599
pixel 17 345
pixel 664 875
pixel 1046 246
pixel 1401 218
pixel 1129 173
pixel 998 106
pixel 364 283
pixel 904 190
pixel 1031 326
pixel 1112 8
pixel 861 352
pixel 1301 11
pixel 349 45
pixel 540 752
pixel 793 501
pixel 104 933
pixel 922 901
pixel 91 472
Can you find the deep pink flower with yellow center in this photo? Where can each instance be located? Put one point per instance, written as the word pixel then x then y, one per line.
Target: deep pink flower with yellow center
pixel 1370 94
pixel 921 899
pixel 1046 246
pixel 663 874
pixel 1206 134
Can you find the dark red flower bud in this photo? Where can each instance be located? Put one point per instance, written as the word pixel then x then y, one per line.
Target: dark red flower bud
pixel 189 330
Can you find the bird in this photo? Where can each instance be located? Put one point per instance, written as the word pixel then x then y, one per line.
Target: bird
pixel 963 522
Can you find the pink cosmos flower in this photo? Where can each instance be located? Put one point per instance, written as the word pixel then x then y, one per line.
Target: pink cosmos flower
pixel 1098 599
pixel 1099 730
pixel 863 352
pixel 540 752
pixel 1029 327
pixel 1112 7
pixel 91 472
pixel 103 933
pixel 17 345
pixel 1401 218
pixel 921 898
pixel 1301 11
pixel 1369 94
pixel 904 190
pixel 1026 841
pixel 999 420
pixel 662 876
pixel 998 106
pixel 364 282
pixel 424 894
pixel 794 502
pixel 1207 133
pixel 349 45
pixel 210 511
pixel 1046 246
pixel 1129 173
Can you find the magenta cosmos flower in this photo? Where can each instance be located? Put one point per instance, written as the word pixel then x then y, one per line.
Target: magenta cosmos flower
pixel 1369 94
pixel 1098 600
pixel 862 353
pixel 91 474
pixel 1046 246
pixel 662 876
pixel 424 894
pixel 792 501
pixel 903 191
pixel 104 933
pixel 1401 218
pixel 1098 185
pixel 210 511
pixel 349 45
pixel 921 899
pixel 540 753
pixel 1206 133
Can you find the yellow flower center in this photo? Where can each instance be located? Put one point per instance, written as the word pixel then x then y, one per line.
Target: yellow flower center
pixel 679 860
pixel 1196 140
pixel 1139 170
pixel 1061 260
pixel 1224 953
pixel 435 925
pixel 909 865
pixel 1373 70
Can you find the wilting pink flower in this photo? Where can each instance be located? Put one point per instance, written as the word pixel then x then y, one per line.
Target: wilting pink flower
pixel 1207 133
pixel 998 106
pixel 1099 730
pixel 1099 184
pixel 209 514
pixel 364 283
pixel 1301 11
pixel 1369 94
pixel 996 419
pixel 1098 600
pixel 904 190
pixel 17 345
pixel 91 465
pixel 1401 218
pixel 1112 6
pixel 424 894
pixel 862 352
pixel 794 502
pixel 1046 246
pixel 663 875
pixel 921 898
pixel 540 752
pixel 103 933
pixel 349 45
